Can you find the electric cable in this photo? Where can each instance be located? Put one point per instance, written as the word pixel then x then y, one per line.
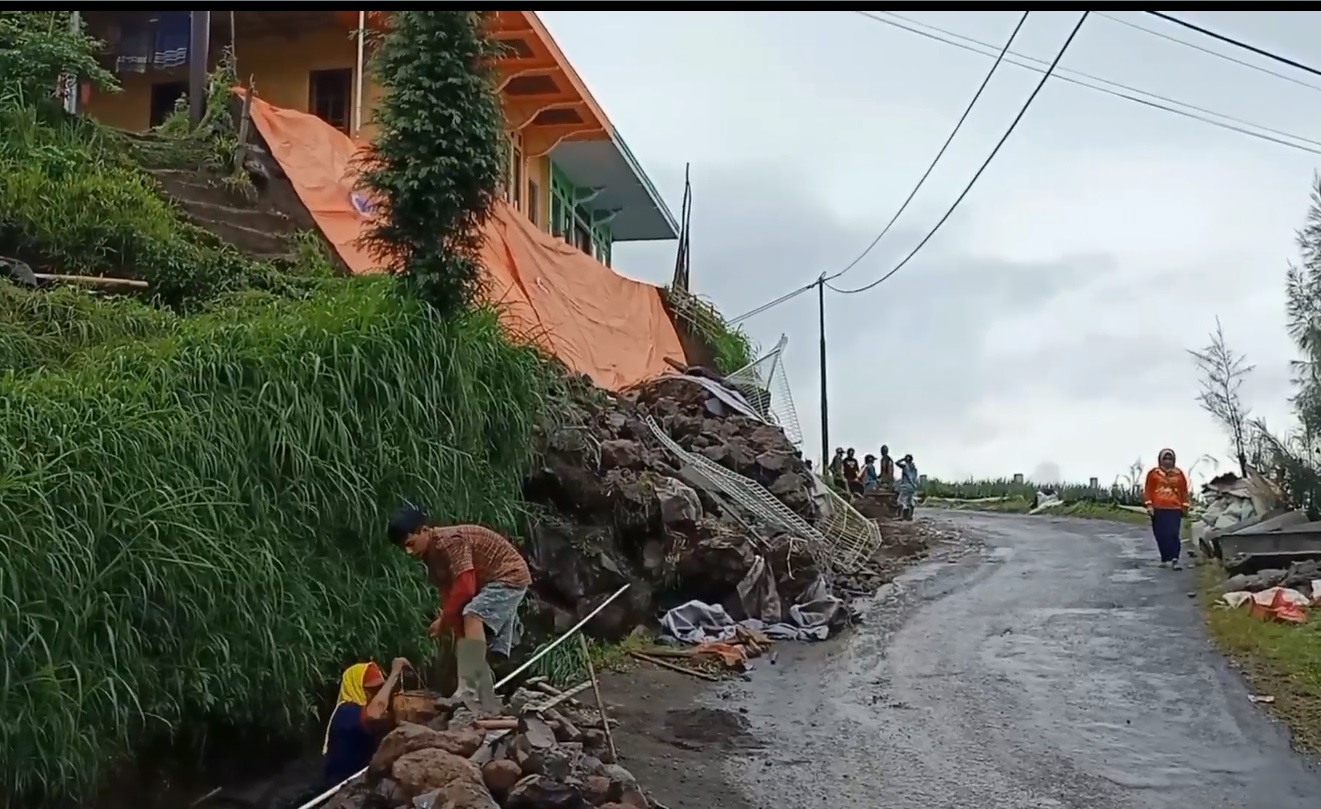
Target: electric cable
pixel 1012 126
pixel 1210 52
pixel 772 304
pixel 1297 142
pixel 1018 61
pixel 957 126
pixel 1228 40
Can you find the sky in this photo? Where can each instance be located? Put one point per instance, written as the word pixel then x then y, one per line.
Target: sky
pixel 1044 329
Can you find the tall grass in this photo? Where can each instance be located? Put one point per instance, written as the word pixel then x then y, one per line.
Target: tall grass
pixel 192 525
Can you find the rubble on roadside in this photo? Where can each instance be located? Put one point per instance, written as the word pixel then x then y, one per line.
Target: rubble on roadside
pixel 1304 577
pixel 611 506
pixel 1229 502
pixel 546 750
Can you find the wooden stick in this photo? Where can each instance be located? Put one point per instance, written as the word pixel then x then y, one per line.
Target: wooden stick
pixel 600 703
pixel 669 651
pixel 553 701
pixel 499 723
pixel 92 280
pixel 575 735
pixel 551 691
pixel 665 664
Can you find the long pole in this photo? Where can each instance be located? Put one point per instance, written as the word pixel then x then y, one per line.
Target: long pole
pixel 825 398
pixel 199 44
pixel 357 74
pixel 329 793
pixel 71 86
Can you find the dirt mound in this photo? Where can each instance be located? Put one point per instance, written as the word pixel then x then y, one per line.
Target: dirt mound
pixel 611 506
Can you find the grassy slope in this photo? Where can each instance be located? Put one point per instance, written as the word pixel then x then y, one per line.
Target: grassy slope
pixel 1278 660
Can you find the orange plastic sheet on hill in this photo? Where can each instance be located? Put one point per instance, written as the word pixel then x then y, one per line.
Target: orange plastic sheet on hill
pixel 599 323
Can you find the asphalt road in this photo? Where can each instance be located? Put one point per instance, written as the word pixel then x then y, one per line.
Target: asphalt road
pixel 1055 667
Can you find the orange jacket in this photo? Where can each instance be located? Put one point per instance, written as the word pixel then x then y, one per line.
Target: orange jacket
pixel 1165 489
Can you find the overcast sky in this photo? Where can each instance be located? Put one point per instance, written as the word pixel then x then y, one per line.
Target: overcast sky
pixel 1046 325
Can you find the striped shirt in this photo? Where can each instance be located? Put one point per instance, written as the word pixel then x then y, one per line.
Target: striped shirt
pixel 455 549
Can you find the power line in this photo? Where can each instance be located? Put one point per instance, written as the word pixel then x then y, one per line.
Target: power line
pixel 1284 60
pixel 957 126
pixel 1019 59
pixel 1012 125
pixel 1210 52
pixel 772 304
pixel 1296 142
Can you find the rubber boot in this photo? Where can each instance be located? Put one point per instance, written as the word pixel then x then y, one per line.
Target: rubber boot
pixel 476 683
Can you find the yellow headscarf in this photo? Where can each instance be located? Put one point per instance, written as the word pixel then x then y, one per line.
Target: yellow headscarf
pixel 352 691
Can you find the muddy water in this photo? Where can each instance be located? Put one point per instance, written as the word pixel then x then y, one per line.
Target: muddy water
pixel 1054 667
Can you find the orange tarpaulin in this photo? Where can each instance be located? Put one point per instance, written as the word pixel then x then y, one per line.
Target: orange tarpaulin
pixel 597 322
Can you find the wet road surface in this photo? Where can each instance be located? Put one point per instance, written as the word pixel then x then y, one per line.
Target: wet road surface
pixel 1054 667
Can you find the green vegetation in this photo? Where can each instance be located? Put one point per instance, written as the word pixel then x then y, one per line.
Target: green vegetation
pixel 730 345
pixel 1279 660
pixel 192 485
pixel 1005 488
pixel 192 524
pixel 440 155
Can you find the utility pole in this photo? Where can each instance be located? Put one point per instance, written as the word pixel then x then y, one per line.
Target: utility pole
pixel 825 400
pixel 199 45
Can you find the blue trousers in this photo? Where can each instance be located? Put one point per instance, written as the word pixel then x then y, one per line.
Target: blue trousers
pixel 1165 525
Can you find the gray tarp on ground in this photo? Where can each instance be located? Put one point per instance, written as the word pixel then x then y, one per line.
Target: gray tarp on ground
pixel 698 622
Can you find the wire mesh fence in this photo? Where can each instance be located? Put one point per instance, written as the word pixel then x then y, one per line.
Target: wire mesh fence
pixel 842 541
pixel 765 385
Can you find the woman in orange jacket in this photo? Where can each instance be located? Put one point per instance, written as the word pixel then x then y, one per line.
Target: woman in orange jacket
pixel 1166 497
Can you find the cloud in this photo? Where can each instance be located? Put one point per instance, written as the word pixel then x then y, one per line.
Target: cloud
pixel 1048 321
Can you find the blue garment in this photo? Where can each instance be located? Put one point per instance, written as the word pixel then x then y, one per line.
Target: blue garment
pixel 869 475
pixel 907 487
pixel 349 745
pixel 1165 525
pixel 174 35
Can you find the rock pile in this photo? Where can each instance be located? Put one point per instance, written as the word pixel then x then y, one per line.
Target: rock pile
pixel 540 758
pixel 1298 576
pixel 610 506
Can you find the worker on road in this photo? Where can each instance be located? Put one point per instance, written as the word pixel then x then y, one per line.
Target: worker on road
pixel 360 719
pixel 907 487
pixel 869 473
pixel 836 467
pixel 482 580
pixel 1165 494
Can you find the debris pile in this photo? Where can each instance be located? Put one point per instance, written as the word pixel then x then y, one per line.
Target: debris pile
pixel 546 751
pixel 881 502
pixel 1304 577
pixel 611 505
pixel 1231 502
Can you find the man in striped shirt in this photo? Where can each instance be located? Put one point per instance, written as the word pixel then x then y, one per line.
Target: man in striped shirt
pixel 481 577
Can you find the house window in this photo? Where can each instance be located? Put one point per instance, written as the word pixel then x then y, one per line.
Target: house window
pixel 163 97
pixel 516 176
pixel 582 237
pixel 534 202
pixel 328 94
pixel 556 216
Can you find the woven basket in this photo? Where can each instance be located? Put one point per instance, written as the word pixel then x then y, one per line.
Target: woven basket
pixel 414 706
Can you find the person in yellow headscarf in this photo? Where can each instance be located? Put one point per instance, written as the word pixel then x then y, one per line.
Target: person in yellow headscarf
pixel 360 718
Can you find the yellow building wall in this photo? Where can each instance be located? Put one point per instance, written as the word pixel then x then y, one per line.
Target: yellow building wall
pixel 280 68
